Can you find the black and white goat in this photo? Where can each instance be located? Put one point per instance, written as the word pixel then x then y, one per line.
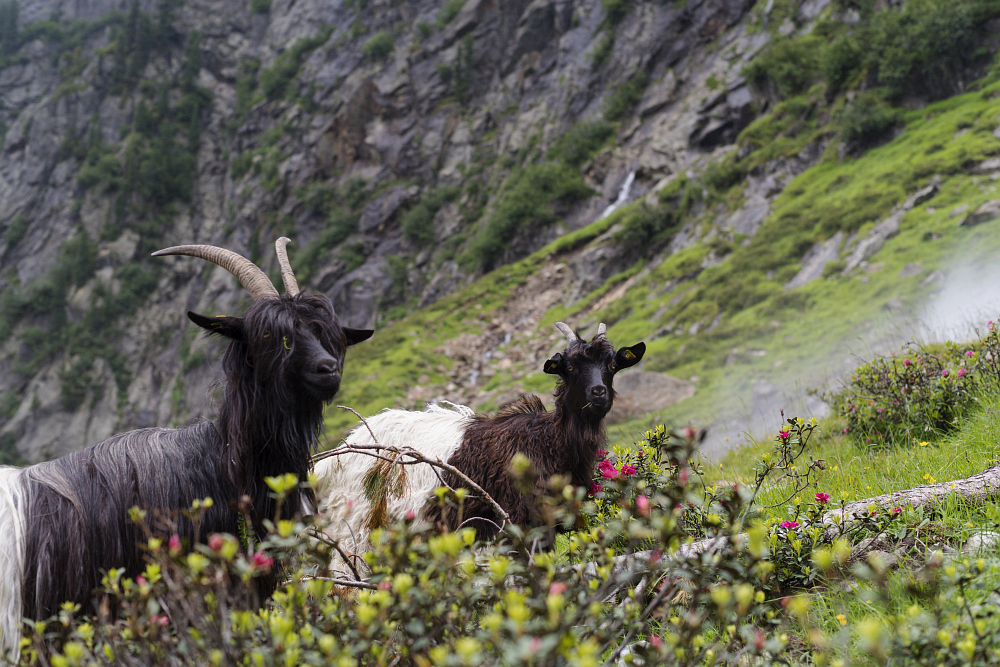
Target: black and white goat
pixel 564 441
pixel 64 521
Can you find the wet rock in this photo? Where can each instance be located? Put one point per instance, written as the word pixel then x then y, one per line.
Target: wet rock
pixel 988 211
pixel 815 260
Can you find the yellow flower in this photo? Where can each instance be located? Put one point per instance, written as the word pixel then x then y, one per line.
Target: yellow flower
pixel 834 468
pixel 923 444
pixel 842 619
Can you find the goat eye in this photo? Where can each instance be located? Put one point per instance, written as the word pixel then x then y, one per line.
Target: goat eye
pixel 614 366
pixel 569 369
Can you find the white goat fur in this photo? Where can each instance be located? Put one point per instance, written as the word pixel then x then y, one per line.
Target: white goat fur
pixel 436 433
pixel 12 506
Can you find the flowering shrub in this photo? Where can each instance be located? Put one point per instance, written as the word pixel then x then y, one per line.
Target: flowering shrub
pixel 909 398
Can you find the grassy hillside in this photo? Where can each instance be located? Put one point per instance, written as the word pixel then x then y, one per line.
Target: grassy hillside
pixel 749 329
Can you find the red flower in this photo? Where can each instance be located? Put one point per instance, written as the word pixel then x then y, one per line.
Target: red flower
pixel 141 580
pixel 944 373
pixel 602 453
pixel 628 470
pixel 410 515
pixel 783 435
pixel 970 353
pixel 261 560
pixel 790 524
pixel 961 372
pixel 174 543
pixel 907 362
pixel 896 510
pixel 607 469
pixel 557 588
pixel 823 498
pixel 385 585
pixel 595 488
pixel 160 620
pixel 215 541
pixel 656 641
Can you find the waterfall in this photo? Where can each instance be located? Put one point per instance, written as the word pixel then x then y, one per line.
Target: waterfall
pixel 622 196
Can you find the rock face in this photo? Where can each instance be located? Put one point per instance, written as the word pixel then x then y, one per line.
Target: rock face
pixel 640 392
pixel 229 127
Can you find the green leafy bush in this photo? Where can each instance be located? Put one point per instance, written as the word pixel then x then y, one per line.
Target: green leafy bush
pixel 602 52
pixel 581 141
pixel 786 68
pixel 378 46
pixel 276 79
pixel 868 119
pixel 418 222
pixel 260 6
pixel 900 400
pixel 625 96
pixel 527 198
pixel 841 61
pixel 615 10
pixel 448 13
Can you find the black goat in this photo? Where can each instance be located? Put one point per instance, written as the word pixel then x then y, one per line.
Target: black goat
pixel 564 441
pixel 67 520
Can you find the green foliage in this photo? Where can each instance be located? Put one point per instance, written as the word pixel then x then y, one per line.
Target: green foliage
pixel 16 230
pixel 526 199
pixel 901 401
pixel 786 67
pixel 581 141
pixel 133 43
pixel 260 6
pixel 841 61
pixel 378 46
pixel 448 13
pixel 276 79
pixel 418 222
pixel 615 10
pixel 602 52
pixel 868 119
pixel 625 96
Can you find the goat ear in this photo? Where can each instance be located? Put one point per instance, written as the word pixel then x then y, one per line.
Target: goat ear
pixel 230 327
pixel 554 365
pixel 629 356
pixel 355 336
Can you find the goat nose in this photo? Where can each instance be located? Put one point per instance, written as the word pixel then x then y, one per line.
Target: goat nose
pixel 598 392
pixel 326 367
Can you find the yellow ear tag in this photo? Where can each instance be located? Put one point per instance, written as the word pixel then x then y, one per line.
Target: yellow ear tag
pixel 629 355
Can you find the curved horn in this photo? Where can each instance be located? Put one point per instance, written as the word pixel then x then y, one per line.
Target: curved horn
pixel 251 277
pixel 601 328
pixel 287 277
pixel 570 335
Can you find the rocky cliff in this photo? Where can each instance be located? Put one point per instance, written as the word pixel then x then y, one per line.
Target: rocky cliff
pixel 598 149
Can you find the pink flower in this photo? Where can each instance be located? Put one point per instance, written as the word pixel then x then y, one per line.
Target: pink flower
pixel 783 435
pixel 160 620
pixel 970 353
pixel 944 373
pixel 607 469
pixel 602 453
pixel 656 641
pixel 682 478
pixel 642 505
pixel 174 543
pixel 141 580
pixel 878 410
pixel 896 510
pixel 261 560
pixel 628 470
pixel 215 541
pixel 689 432
pixel 907 363
pixel 410 515
pixel 847 430
pixel 790 524
pixel 385 585
pixel 557 588
pixel 595 488
pixel 536 644
pixel 823 497
pixel 962 372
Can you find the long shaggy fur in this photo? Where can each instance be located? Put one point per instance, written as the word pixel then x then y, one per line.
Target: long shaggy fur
pixel 436 433
pixel 63 522
pixel 564 441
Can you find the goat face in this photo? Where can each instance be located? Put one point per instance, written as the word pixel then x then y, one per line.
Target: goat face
pixel 294 344
pixel 587 371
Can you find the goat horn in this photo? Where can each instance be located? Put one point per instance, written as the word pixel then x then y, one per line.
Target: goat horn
pixel 601 328
pixel 569 333
pixel 251 277
pixel 287 277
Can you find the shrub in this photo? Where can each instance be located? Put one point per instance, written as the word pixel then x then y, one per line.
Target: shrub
pixel 602 52
pixel 260 6
pixel 868 119
pixel 902 400
pixel 448 13
pixel 615 10
pixel 275 80
pixel 787 67
pixel 581 141
pixel 16 231
pixel 8 27
pixel 378 46
pixel 526 199
pixel 625 96
pixel 841 61
pixel 418 222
